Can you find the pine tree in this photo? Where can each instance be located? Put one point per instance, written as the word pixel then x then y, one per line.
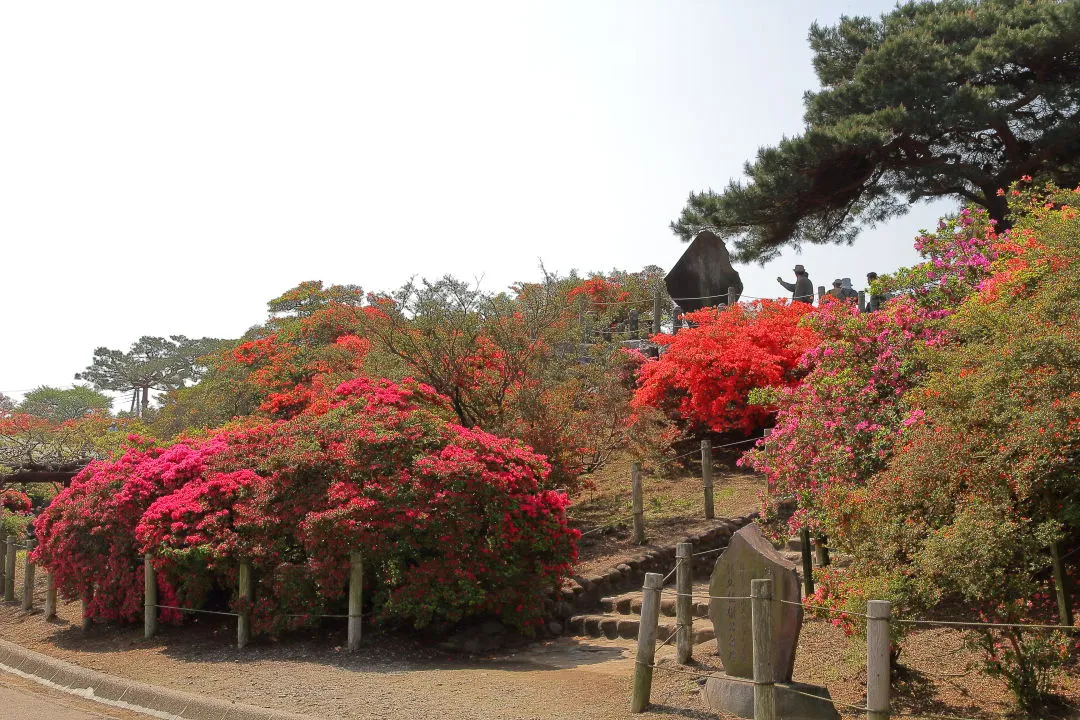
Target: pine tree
pixel 956 98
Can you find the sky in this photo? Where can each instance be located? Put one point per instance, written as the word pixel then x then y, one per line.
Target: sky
pixel 167 168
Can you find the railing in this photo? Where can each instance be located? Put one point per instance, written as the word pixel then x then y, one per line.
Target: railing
pixel 151 606
pixel 878 618
pixel 637 492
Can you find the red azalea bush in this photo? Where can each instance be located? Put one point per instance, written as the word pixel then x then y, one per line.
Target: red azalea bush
pixel 451 521
pixel 707 372
pixel 15 501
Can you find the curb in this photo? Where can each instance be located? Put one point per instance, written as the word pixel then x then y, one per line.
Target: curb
pixel 128 694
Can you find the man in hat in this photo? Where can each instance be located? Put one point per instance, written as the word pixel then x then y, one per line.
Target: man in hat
pixel 847 292
pixel 837 291
pixel 802 290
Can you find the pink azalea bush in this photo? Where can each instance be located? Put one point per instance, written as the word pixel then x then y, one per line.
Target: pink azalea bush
pixel 452 522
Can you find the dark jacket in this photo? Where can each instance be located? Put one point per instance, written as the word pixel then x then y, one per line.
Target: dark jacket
pixel 802 290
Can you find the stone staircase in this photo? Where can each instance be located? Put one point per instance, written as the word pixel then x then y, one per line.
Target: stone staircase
pixel 620 616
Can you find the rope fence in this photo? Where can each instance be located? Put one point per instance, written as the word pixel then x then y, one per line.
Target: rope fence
pixel 638 514
pixel 878 617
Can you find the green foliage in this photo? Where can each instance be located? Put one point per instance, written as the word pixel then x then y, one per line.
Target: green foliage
pixel 12 523
pixel 310 296
pixel 514 365
pixel 936 99
pixel 58 405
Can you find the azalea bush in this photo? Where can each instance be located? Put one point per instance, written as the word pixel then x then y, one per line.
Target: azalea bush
pixel 937 440
pixel 452 522
pixel 704 378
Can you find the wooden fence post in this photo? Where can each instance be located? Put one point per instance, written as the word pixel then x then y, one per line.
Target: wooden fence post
pixel 761 620
pixel 28 578
pixel 1061 586
pixel 646 641
pixel 149 598
pixel 50 598
pixel 243 620
pixel 862 301
pixel 684 606
pixel 820 295
pixel 730 296
pixel 706 477
pixel 9 570
pixel 656 308
pixel 356 598
pixel 877 659
pixel 807 561
pixel 821 549
pixel 638 503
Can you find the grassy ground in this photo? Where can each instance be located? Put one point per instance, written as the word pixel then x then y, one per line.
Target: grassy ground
pixel 674 507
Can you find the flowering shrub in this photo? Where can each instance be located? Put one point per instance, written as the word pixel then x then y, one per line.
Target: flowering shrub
pixel 840 424
pixel 87 534
pixel 708 371
pixel 451 521
pixel 15 501
pixel 937 442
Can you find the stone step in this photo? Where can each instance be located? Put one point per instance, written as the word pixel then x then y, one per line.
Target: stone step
pixel 611 626
pixel 630 604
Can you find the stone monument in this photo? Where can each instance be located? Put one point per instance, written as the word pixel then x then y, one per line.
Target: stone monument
pixel 749 556
pixel 703 274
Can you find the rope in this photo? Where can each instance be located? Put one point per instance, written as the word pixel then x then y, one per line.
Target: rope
pixel 707 552
pixel 672 572
pixel 193 610
pixel 823 607
pixel 958 623
pixel 677 457
pixel 599 528
pixel 738 442
pixel 709 597
pixel 315 615
pixel 931 716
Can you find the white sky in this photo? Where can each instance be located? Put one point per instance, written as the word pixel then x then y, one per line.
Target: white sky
pixel 167 168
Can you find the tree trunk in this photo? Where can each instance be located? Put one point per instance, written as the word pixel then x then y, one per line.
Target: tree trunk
pixel 134 400
pixel 998 207
pixel 145 402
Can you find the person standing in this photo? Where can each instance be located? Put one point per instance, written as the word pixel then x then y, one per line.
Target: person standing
pixel 847 292
pixel 875 300
pixel 802 290
pixel 837 291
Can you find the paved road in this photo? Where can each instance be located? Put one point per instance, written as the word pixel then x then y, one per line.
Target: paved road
pixel 25 700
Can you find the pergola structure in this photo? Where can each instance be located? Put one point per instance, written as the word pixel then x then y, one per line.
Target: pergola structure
pixel 61 474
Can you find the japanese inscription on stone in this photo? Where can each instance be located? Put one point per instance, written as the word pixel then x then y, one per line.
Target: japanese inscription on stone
pixel 749 556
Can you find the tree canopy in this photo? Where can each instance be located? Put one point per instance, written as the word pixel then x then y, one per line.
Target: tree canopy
pixel 60 404
pixel 956 98
pixel 152 363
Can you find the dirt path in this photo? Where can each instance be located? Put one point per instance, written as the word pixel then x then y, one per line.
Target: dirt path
pixel 390 678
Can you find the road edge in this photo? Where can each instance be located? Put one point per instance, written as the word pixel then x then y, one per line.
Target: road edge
pixel 127 694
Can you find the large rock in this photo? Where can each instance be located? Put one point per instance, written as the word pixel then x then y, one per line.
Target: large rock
pixel 736 697
pixel 703 274
pixel 749 556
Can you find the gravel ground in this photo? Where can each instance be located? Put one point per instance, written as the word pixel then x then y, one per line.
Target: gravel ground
pixel 394 677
